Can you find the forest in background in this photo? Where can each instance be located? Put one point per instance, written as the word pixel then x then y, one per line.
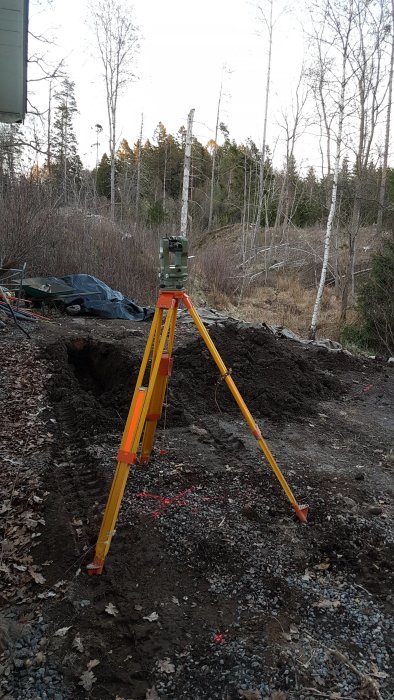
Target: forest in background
pixel 252 224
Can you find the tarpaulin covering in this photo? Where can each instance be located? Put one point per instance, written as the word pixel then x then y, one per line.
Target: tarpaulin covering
pixel 97 299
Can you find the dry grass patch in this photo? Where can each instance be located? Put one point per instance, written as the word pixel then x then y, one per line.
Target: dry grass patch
pixel 289 305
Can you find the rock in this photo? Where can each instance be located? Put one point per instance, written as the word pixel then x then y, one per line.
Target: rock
pixel 359 476
pixel 197 430
pixel 390 361
pixel 349 502
pixel 9 632
pixel 249 694
pixel 73 310
pixel 375 510
pixel 249 511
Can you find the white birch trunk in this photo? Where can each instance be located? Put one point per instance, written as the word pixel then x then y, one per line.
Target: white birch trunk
pixel 138 188
pixel 382 190
pixel 165 177
pixel 112 144
pixel 334 190
pixel 214 160
pixel 263 148
pixel 49 125
pixel 186 174
pixel 65 114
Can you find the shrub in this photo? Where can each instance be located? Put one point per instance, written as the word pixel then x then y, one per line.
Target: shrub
pixel 218 264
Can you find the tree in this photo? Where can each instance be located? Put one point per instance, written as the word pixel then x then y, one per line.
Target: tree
pixel 138 158
pixel 269 23
pixel 66 164
pixel 339 22
pixel 214 145
pixel 117 41
pixel 376 300
pixel 382 189
pixel 10 151
pixel 366 65
pixel 186 174
pixel 125 176
pixel 103 177
pixel 294 125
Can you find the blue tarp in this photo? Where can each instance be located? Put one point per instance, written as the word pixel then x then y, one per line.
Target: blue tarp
pixel 97 299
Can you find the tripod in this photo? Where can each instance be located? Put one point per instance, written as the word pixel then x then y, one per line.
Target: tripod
pixel 147 402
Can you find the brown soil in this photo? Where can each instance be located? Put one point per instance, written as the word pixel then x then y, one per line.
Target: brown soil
pixel 223 554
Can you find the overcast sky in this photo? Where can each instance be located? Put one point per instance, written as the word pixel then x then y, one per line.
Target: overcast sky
pixel 184 46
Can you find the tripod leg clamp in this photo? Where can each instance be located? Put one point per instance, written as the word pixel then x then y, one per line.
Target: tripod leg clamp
pixel 126 457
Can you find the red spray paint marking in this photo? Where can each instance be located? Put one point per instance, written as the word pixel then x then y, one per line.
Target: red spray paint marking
pixel 218 638
pixel 367 388
pixel 164 502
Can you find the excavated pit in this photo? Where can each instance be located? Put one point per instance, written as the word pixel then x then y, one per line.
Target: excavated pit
pixel 279 380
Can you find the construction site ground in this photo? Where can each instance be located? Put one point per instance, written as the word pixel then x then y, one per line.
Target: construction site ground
pixel 211 589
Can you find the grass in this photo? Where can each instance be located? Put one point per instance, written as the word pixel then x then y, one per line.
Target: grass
pixel 288 304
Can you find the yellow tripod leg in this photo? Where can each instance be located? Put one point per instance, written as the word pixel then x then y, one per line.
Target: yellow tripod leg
pixel 300 512
pixel 155 408
pixel 156 405
pixel 117 490
pixel 127 454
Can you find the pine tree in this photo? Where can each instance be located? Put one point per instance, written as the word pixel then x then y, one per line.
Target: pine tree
pixel 125 177
pixel 376 300
pixel 66 164
pixel 10 151
pixel 104 177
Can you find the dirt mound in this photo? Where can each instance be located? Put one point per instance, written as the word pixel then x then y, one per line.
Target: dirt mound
pixel 277 378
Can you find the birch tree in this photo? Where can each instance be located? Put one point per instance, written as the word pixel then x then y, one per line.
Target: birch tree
pixel 214 152
pixel 366 64
pixel 382 189
pixel 269 23
pixel 138 188
pixel 294 123
pixel 339 25
pixel 186 174
pixel 117 42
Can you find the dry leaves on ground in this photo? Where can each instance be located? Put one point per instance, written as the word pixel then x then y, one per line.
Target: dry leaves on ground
pixel 86 680
pixel 77 643
pixel 151 694
pixel 327 604
pixel 62 631
pixel 278 695
pixel 111 609
pixel 153 617
pixel 250 694
pixel 165 666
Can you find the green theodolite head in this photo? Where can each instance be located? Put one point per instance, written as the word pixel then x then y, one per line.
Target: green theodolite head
pixel 173 263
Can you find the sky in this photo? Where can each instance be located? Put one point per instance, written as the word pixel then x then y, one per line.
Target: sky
pixel 183 48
